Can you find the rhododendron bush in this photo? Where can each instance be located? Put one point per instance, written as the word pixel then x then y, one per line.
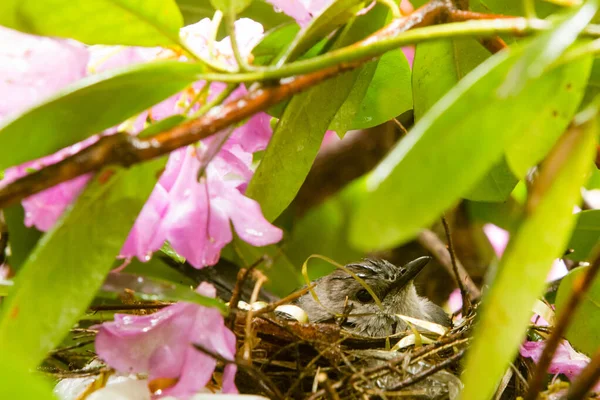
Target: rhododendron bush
pixel 149 150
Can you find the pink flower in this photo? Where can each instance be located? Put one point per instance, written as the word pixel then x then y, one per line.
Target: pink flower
pixel 162 345
pixel 194 216
pixel 33 67
pixel 301 10
pixel 566 360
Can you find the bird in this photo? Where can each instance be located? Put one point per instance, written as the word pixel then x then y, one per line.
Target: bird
pixel 339 293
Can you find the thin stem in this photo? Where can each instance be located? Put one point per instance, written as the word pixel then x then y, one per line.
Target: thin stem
pixel 370 48
pixel 466 300
pixel 580 287
pixel 529 8
pixel 224 94
pixel 242 64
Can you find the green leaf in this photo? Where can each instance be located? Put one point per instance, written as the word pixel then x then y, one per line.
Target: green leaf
pixel 148 288
pixel 273 43
pixel 18 382
pixel 583 332
pixel 89 106
pixel 126 22
pixel 70 262
pixel 337 14
pixel 389 93
pixel 227 6
pixel 549 46
pixel 496 185
pixel 299 133
pixel 259 11
pixel 5 287
pixel 452 147
pixel 507 215
pixel 528 149
pixel 512 7
pixel 438 66
pixel 506 309
pixel 585 236
pixel 22 239
pixel 284 278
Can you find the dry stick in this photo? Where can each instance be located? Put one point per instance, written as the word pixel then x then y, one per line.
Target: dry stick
pixel 430 371
pixel 124 307
pixel 324 380
pixel 586 379
pixel 248 332
pixel 466 300
pixel 580 287
pixel 432 242
pixel 262 378
pixel 126 150
pixel 236 293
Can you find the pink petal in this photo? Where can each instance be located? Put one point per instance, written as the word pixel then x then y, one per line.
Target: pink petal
pixel 34 67
pixel 498 238
pixel 247 218
pixel 161 344
pixel 566 360
pixel 255 134
pixel 145 237
pixel 301 10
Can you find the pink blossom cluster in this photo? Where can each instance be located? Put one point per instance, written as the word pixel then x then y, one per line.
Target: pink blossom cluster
pixel 192 213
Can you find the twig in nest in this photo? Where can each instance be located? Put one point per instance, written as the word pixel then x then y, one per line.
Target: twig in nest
pixel 73 347
pixel 430 371
pixel 236 294
pixel 262 379
pixel 287 299
pixel 248 333
pixel 324 381
pixel 129 307
pixel 430 241
pixel 312 362
pixel 466 300
pixel 580 287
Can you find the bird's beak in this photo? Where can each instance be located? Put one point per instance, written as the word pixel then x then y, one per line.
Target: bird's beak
pixel 411 270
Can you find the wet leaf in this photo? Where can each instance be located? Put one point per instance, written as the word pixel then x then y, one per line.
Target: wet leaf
pixel 299 133
pixel 74 256
pixel 452 147
pixel 126 22
pixel 585 235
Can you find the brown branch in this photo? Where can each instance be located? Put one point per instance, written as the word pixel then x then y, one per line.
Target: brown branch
pixel 466 300
pixel 430 241
pixel 262 378
pixel 586 380
pixel 580 287
pixel 126 150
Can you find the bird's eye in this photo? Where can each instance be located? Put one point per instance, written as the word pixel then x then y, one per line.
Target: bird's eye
pixel 363 296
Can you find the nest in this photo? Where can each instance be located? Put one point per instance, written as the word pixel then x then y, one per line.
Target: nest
pixel 287 359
